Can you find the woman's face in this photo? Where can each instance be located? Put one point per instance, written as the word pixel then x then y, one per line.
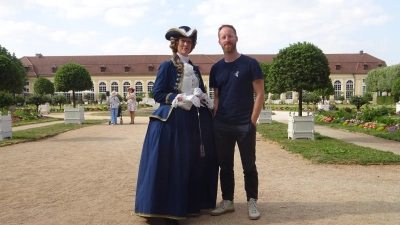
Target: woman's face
pixel 185 46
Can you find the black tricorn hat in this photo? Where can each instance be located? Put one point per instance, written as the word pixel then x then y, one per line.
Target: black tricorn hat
pixel 183 31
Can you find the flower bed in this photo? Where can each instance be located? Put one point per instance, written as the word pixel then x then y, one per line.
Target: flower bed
pixel 391 127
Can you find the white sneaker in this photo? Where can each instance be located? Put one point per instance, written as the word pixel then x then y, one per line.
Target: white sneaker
pixel 254 214
pixel 225 206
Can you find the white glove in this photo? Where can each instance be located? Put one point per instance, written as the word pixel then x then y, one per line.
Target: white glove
pixel 207 100
pixel 192 98
pixel 197 92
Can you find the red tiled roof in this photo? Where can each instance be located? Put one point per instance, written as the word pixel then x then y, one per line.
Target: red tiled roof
pixel 139 64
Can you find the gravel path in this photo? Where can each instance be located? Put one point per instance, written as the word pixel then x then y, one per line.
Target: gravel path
pixel 88 176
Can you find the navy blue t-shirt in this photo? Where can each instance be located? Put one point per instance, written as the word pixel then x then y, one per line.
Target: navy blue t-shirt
pixel 234 81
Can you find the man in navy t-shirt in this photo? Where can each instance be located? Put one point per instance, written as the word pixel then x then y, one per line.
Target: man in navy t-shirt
pixel 235 79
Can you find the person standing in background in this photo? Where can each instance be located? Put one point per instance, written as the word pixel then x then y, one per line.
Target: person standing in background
pixel 114 104
pixel 131 101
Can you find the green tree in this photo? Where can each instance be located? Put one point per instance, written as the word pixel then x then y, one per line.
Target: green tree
pixel 8 74
pixel 339 97
pixel 382 84
pixel 394 75
pixel 59 100
pixel 19 100
pixel 358 101
pixel 44 86
pixel 275 96
pixel 86 97
pixel 382 78
pixel 301 66
pixel 265 67
pixel 265 70
pixel 20 73
pixel 102 97
pixel 368 96
pixel 396 88
pixel 326 92
pixel 6 100
pixel 72 77
pixel 311 98
pixel 38 99
pixel 120 97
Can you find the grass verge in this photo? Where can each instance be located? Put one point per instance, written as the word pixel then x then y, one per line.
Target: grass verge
pixel 143 113
pixel 42 120
pixel 45 132
pixel 325 149
pixel 394 136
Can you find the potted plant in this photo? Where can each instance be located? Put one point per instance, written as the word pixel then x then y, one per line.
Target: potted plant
pixel 6 100
pixel 265 116
pixel 86 98
pixel 339 99
pixel 73 77
pixel 299 67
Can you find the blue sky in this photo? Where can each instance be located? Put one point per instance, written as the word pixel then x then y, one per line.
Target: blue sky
pixel 137 27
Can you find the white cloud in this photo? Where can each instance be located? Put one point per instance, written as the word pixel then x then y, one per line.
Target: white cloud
pixel 121 46
pixel 113 27
pixel 125 16
pixel 21 30
pixel 376 20
pixel 74 38
pixel 133 46
pixel 262 23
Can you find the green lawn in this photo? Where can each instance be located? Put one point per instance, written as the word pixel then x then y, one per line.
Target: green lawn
pixel 46 131
pixel 325 149
pixel 321 150
pixel 394 136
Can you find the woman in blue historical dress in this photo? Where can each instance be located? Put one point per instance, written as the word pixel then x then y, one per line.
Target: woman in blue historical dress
pixel 178 172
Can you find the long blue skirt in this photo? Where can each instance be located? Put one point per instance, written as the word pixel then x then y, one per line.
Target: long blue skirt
pixel 174 180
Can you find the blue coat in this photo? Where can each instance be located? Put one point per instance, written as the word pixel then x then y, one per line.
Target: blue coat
pixel 174 180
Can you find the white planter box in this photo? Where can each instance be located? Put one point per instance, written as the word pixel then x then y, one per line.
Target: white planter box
pixel 5 126
pixel 44 108
pixel 301 127
pixel 398 107
pixel 323 107
pixel 74 115
pixel 265 116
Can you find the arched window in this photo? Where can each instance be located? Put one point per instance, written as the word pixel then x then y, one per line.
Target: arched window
pixel 150 89
pixel 349 89
pixel 126 86
pixel 114 86
pixel 338 88
pixel 139 88
pixel 102 87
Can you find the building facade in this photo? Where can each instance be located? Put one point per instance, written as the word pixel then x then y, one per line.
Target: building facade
pixel 118 72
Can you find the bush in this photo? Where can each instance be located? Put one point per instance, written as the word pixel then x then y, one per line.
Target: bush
pixel 347 109
pixel 6 100
pixel 339 98
pixel 341 113
pixel 374 114
pixel 19 100
pixel 275 97
pixel 385 100
pixel 358 101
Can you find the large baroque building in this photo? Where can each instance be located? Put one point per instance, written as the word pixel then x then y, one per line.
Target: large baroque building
pixel 118 72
